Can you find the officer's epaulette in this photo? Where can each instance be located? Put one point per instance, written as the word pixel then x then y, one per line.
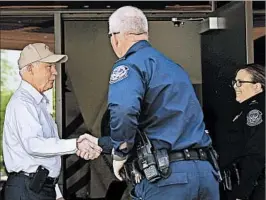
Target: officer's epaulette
pixel 253 102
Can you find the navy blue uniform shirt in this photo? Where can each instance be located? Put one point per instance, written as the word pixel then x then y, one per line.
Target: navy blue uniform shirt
pixel 150 92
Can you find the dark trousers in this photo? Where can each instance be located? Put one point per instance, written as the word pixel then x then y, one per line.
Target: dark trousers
pixel 258 192
pixel 17 188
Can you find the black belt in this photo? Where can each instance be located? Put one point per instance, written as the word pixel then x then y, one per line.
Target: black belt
pixel 188 154
pixel 49 180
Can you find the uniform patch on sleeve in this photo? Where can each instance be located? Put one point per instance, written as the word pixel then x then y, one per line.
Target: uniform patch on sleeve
pixel 254 117
pixel 118 74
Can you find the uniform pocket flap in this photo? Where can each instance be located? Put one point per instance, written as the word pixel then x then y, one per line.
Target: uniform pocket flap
pixel 174 178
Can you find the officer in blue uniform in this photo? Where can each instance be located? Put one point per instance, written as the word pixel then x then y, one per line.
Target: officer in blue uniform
pixel 151 93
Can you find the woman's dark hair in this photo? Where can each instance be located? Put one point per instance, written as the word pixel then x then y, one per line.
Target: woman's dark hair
pixel 257 72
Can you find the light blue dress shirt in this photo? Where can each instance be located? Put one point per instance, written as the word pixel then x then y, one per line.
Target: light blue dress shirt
pixel 30 135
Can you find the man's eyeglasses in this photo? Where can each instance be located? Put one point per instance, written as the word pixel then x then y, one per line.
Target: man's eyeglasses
pixel 239 83
pixel 110 34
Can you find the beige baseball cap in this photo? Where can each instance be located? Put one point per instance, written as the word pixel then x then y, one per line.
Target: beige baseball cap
pixel 39 52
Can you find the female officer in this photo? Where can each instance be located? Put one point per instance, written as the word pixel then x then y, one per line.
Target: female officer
pixel 244 156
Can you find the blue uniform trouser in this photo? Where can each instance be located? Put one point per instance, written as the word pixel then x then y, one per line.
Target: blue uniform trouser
pixel 190 180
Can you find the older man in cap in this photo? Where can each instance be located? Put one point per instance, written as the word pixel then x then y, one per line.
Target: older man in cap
pixel 31 145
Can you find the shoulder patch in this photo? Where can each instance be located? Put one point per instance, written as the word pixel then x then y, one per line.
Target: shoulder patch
pixel 118 74
pixel 254 117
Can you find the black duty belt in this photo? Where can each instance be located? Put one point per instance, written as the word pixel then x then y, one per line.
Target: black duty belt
pixel 188 154
pixel 49 180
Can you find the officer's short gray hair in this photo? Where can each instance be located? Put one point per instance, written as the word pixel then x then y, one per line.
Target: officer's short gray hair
pixel 128 19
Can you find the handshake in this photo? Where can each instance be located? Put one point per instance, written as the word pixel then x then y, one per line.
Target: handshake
pixel 87 147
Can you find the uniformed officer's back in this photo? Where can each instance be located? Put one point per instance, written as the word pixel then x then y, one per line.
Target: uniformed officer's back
pixel 171 111
pixel 150 95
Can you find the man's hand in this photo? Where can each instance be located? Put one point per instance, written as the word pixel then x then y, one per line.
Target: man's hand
pixel 88 148
pixel 90 138
pixel 118 163
pixel 117 166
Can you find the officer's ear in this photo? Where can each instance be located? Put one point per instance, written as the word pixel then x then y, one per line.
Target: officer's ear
pixel 258 87
pixel 116 41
